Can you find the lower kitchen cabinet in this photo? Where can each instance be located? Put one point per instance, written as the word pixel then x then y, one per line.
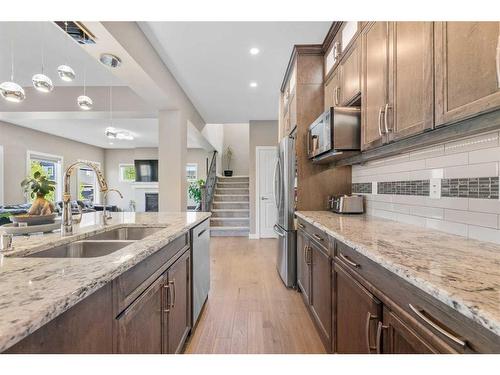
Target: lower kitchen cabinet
pixel 303 267
pixel 358 313
pixel 396 337
pixel 321 292
pixel 178 304
pixel 139 326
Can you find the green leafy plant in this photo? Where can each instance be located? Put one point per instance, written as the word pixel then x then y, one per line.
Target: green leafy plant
pixel 228 155
pixel 38 187
pixel 194 190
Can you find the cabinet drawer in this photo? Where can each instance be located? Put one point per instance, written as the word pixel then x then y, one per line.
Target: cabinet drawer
pixel 320 237
pixel 128 286
pixel 431 319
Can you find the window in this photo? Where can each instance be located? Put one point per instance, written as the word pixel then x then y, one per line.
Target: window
pixel 192 172
pixel 88 187
pixel 127 172
pixel 50 166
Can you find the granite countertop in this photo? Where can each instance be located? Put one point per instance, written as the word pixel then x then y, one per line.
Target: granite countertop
pixel 34 291
pixel 464 274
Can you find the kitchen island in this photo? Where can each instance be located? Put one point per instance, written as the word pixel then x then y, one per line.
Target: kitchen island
pixel 36 290
pixel 455 279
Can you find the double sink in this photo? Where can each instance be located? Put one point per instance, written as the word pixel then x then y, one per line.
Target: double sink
pixel 98 245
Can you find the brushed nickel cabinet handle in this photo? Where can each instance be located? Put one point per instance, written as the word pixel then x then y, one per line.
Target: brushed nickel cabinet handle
pixel 167 296
pixel 174 294
pixel 386 113
pixel 319 238
pixel 380 111
pixel 378 344
pixel 301 226
pixel 348 261
pixel 308 256
pixel 369 318
pixel 433 325
pixel 337 95
pixel 304 252
pixel 498 62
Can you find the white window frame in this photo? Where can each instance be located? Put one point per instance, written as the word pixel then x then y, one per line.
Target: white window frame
pixel 2 180
pixel 120 177
pixel 97 199
pixel 57 158
pixel 192 165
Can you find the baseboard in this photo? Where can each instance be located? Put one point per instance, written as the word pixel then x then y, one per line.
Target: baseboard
pixel 253 236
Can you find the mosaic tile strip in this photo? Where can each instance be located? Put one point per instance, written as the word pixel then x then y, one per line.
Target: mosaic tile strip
pixel 362 187
pixel 416 187
pixel 482 187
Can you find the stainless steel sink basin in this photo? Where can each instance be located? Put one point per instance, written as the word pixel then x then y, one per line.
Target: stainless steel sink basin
pixel 82 249
pixel 128 233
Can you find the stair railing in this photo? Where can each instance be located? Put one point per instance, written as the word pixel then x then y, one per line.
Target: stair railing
pixel 207 191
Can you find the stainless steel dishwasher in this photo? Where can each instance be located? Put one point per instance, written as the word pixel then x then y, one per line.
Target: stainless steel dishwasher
pixel 200 249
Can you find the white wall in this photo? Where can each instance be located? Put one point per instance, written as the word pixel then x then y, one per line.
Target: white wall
pixel 469 158
pixel 115 157
pixel 237 137
pixel 214 133
pixel 262 133
pixel 16 141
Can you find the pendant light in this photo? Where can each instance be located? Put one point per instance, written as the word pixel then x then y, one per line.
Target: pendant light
pixel 40 81
pixel 66 73
pixel 84 102
pixel 10 90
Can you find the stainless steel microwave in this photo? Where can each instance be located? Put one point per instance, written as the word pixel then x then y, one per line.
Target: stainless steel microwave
pixel 337 129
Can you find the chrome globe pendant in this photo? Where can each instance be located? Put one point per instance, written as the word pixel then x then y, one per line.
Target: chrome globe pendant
pixel 85 102
pixel 10 90
pixel 40 81
pixel 66 73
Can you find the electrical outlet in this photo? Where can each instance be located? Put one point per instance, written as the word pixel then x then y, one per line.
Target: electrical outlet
pixel 435 188
pixel 374 187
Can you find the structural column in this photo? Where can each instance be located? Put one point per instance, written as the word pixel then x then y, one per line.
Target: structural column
pixel 172 136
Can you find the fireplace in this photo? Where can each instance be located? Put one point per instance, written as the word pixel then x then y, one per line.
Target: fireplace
pixel 151 202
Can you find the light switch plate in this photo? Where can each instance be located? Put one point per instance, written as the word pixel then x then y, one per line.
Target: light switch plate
pixel 435 188
pixel 374 188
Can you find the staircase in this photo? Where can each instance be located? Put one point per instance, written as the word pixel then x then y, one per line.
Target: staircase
pixel 231 207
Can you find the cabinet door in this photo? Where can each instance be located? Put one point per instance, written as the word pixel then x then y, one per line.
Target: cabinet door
pixel 139 326
pixel 292 114
pixel 357 315
pixel 350 86
pixel 396 337
pixel 410 109
pixel 374 82
pixel 329 93
pixel 467 69
pixel 178 304
pixel 321 292
pixel 303 269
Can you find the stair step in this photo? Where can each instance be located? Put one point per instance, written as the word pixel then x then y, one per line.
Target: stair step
pixel 233 191
pixel 236 185
pixel 231 212
pixel 233 179
pixel 216 231
pixel 231 198
pixel 228 205
pixel 240 222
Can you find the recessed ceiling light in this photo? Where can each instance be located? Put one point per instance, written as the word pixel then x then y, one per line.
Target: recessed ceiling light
pixel 253 84
pixel 254 51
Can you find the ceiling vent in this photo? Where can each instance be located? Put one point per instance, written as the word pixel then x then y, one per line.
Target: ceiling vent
pixel 77 31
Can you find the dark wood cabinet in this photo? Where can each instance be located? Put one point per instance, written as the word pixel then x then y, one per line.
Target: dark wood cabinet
pixel 358 313
pixel 303 265
pixel 394 336
pixel 139 326
pixel 178 304
pixel 467 69
pixel 321 292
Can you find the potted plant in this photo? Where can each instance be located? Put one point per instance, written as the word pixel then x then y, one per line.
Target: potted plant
pixel 228 155
pixel 37 187
pixel 194 191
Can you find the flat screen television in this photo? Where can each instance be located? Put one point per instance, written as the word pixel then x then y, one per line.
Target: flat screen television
pixel 146 170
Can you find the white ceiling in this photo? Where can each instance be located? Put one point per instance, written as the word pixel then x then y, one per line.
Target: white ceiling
pixel 211 61
pixel 27 39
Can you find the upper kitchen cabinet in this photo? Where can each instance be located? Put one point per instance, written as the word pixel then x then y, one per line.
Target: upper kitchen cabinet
pixel 397 81
pixel 350 77
pixel 332 89
pixel 410 109
pixel 467 69
pixel 338 41
pixel 374 83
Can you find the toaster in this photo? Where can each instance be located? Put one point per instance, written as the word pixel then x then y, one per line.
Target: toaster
pixel 346 204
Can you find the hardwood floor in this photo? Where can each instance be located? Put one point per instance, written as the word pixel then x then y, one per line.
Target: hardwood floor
pixel 249 310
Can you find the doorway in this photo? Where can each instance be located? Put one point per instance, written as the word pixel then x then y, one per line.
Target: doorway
pixel 265 205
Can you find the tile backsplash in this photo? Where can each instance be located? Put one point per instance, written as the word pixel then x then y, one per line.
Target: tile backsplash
pixel 467 172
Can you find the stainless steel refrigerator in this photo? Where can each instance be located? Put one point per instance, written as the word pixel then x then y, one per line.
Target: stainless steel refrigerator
pixel 285 184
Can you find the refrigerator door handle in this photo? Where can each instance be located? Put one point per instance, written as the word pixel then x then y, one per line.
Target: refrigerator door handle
pixel 278 231
pixel 275 190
